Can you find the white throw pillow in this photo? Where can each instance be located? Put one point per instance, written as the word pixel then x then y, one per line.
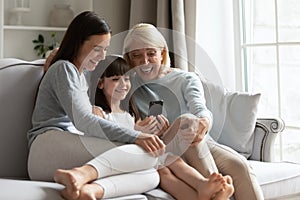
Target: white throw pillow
pixel 234 117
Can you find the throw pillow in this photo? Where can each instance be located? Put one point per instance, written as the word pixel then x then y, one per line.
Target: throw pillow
pixel 234 117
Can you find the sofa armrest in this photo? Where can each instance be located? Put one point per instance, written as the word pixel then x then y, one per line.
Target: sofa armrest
pixel 265 133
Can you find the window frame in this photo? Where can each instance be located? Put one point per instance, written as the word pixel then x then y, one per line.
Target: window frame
pixel 241 62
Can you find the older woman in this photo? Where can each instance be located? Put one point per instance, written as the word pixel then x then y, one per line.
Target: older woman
pixel 146 50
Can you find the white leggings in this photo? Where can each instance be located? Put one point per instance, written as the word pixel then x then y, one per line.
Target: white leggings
pixel 117 165
pixel 117 168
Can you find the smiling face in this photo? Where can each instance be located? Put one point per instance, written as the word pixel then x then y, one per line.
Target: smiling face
pixel 92 51
pixel 115 88
pixel 147 62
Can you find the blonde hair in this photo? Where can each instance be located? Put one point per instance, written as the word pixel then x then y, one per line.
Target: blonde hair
pixel 142 36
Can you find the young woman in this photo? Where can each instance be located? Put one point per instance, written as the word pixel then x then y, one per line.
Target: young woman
pixel 66 134
pixel 146 50
pixel 112 90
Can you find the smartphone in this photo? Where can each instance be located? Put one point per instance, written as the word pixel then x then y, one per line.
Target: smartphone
pixel 155 107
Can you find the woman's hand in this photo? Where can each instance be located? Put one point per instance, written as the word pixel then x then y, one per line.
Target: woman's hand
pixel 151 144
pixel 97 111
pixel 203 125
pixel 49 59
pixel 192 129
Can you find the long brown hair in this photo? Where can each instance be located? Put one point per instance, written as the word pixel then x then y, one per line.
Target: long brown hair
pixel 115 66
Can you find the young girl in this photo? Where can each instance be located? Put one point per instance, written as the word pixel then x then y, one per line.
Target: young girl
pixel 113 104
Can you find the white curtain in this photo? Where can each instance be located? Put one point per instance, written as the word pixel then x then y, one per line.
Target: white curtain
pixel 179 16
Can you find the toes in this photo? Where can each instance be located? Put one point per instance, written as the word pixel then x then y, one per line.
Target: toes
pixel 228 179
pixel 214 176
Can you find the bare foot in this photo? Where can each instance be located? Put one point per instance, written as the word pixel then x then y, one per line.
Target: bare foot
pixel 72 179
pixel 209 188
pixel 227 191
pixel 66 195
pixel 91 191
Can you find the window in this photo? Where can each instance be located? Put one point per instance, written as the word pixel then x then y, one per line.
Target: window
pixel 270 60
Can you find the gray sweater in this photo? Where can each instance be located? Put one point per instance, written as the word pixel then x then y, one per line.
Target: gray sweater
pixel 63 104
pixel 182 92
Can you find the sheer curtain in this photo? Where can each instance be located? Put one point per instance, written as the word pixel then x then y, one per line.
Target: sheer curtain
pixel 215 24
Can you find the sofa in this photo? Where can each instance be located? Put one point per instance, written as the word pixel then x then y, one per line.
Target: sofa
pixel 19 81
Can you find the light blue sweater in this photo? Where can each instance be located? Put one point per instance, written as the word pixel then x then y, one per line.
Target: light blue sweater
pixel 63 104
pixel 182 92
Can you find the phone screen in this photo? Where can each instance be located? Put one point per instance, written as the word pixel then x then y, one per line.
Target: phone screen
pixel 155 108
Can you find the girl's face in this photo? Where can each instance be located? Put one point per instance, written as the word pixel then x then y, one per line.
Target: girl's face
pixel 92 51
pixel 115 88
pixel 147 62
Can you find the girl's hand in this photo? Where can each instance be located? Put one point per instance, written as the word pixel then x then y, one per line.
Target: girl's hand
pixel 154 125
pixel 162 125
pixel 147 125
pixel 151 144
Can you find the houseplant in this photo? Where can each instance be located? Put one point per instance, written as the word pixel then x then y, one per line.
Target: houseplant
pixel 41 48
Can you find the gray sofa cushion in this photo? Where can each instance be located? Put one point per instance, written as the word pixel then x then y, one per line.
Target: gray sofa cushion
pixel 18 87
pixel 277 179
pixel 37 190
pixel 29 190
